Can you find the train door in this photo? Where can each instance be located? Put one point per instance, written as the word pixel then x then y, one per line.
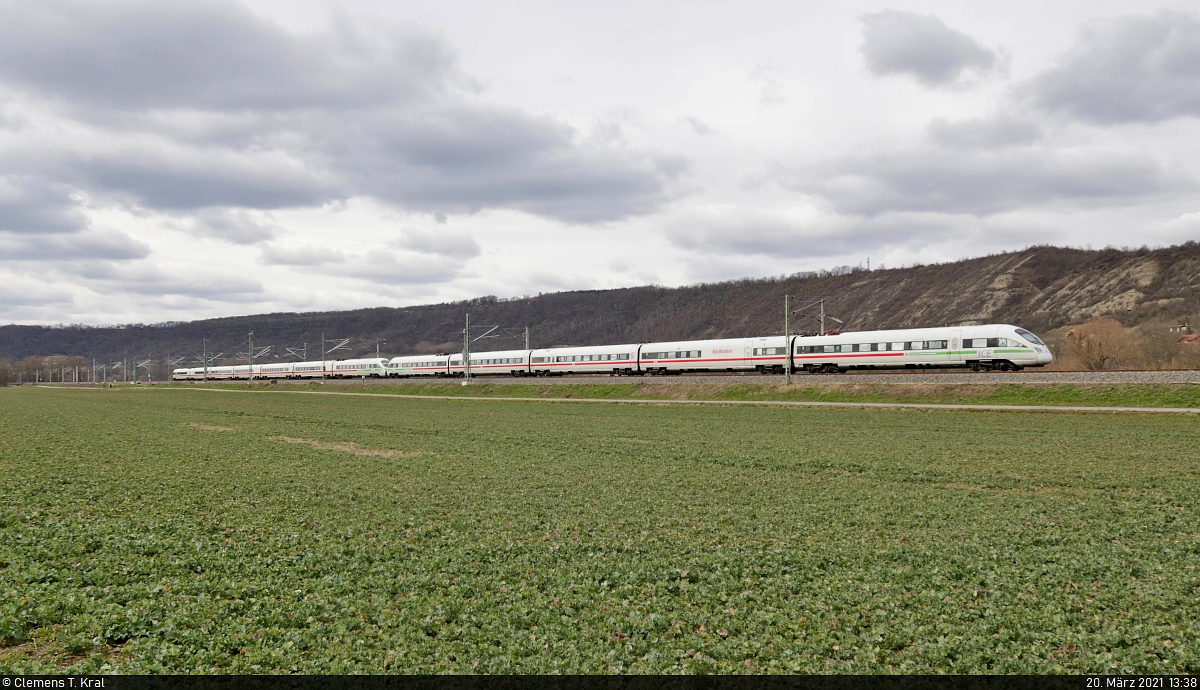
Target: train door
pixel 956 346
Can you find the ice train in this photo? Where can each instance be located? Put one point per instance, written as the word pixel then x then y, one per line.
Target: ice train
pixel 994 347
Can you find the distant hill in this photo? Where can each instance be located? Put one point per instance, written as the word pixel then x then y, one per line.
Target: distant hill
pixel 1041 288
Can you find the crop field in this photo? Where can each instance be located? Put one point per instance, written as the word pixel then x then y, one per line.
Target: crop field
pixel 844 390
pixel 168 530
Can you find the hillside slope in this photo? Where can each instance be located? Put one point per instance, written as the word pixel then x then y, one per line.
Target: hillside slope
pixel 1041 288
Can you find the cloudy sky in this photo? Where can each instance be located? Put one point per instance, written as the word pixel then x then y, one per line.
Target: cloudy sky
pixel 172 161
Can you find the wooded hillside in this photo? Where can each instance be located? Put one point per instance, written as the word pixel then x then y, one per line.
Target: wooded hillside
pixel 1040 288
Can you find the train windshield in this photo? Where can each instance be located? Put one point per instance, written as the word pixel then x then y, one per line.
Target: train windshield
pixel 1030 337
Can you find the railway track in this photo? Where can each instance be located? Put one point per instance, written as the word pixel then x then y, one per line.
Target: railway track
pixel 893 377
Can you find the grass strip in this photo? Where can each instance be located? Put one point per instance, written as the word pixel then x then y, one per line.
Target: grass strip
pixel 1067 395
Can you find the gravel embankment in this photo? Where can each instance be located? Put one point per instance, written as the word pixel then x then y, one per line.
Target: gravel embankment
pixel 945 378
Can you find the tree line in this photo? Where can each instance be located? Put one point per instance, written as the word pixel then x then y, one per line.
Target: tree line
pixel 53 369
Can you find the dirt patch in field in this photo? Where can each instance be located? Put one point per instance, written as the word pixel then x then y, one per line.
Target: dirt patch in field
pixel 348 447
pixel 46 649
pixel 208 427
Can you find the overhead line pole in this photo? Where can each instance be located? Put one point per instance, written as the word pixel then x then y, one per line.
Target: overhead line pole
pixel 787 311
pixel 467 351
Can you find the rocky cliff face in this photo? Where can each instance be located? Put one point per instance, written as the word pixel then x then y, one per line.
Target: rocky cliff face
pixel 1040 288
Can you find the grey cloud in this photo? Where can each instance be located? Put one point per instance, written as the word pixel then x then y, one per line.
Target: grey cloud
pixel 245 114
pixel 982 133
pixel 169 179
pixel 459 245
pixel 34 206
pixel 467 159
pixel 87 245
pixel 208 55
pixel 236 226
pixel 672 167
pixel 984 183
pixel 1126 69
pixel 922 46
pixel 699 126
pixel 143 279
pixel 385 268
pixel 736 231
pixel 300 256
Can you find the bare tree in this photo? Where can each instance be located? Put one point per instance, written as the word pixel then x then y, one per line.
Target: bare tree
pixel 1102 344
pixel 31 368
pixel 6 372
pixel 1160 345
pixel 78 367
pixel 54 367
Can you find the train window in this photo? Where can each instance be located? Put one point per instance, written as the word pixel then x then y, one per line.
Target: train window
pixel 993 342
pixel 917 345
pixel 936 344
pixel 1030 337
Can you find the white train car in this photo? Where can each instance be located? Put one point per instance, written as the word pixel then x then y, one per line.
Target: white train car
pixel 620 360
pixel 374 367
pixel 729 355
pixel 418 365
pixel 311 370
pixel 500 362
pixel 215 373
pixel 981 348
pixel 279 370
pixel 349 368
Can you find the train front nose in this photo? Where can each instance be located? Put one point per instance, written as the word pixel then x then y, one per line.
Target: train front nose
pixel 1045 358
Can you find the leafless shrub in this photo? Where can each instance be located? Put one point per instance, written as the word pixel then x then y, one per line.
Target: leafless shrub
pixel 1160 345
pixel 1102 344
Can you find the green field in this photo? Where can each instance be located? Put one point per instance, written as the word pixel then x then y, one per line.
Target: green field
pixel 166 530
pixel 830 389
